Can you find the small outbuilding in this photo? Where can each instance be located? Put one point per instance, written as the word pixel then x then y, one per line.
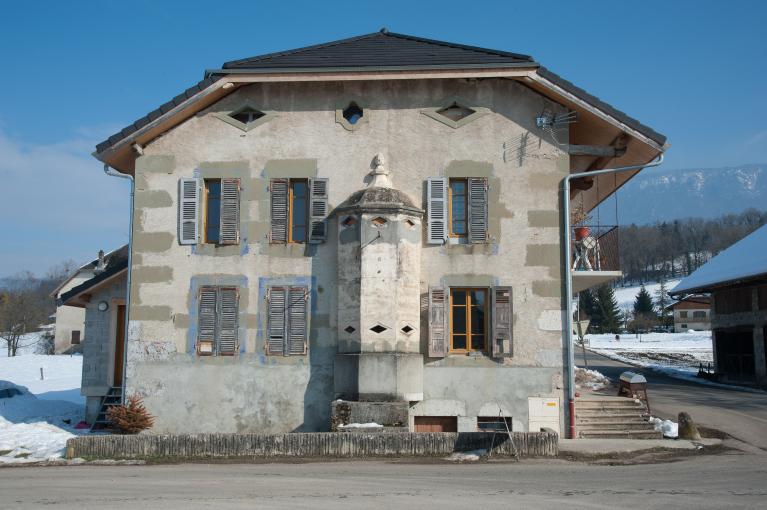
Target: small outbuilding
pixel 737 282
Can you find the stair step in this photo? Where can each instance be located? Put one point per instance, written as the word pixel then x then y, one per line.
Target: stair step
pixel 609 420
pixel 594 427
pixel 627 434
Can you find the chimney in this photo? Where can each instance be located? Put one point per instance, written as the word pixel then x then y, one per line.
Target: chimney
pixel 100 264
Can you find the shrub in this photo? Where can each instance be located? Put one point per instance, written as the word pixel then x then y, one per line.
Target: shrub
pixel 131 417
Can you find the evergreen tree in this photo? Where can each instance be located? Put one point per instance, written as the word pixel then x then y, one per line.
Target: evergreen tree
pixel 608 314
pixel 643 305
pixel 662 300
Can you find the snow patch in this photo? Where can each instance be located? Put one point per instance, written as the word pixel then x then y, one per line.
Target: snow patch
pixel 371 425
pixel 669 428
pixel 470 456
pixel 590 379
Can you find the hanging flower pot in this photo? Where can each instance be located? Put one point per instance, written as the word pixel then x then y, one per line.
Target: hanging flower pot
pixel 581 233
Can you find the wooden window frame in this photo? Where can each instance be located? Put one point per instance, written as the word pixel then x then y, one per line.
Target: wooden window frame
pixel 205 239
pixel 216 343
pixel 450 232
pixel 307 225
pixel 468 333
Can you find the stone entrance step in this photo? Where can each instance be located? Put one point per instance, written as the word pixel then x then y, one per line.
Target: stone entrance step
pixel 613 417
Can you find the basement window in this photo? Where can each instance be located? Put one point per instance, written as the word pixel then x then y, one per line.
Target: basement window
pixel 493 424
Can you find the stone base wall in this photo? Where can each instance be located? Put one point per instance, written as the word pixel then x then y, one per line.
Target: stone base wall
pixel 309 445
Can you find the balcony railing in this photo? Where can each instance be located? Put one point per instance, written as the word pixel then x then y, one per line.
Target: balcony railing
pixel 595 248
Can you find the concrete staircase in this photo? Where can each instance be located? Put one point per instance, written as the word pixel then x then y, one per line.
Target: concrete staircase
pixel 612 418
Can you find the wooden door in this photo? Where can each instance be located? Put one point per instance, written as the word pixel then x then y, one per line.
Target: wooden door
pixel 436 424
pixel 119 346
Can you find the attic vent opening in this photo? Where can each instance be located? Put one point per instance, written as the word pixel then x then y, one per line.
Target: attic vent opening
pixel 409 224
pixel 406 329
pixel 247 115
pixel 456 112
pixel 350 329
pixel 379 221
pixel 349 221
pixel 378 329
pixel 353 113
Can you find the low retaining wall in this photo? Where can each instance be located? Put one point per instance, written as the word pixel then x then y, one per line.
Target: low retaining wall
pixel 321 444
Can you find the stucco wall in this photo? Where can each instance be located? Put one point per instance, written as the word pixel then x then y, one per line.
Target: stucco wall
pixel 70 318
pixel 256 393
pixel 697 324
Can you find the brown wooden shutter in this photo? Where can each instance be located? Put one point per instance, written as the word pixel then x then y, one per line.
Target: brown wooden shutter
pixel 277 298
pixel 278 189
pixel 438 313
pixel 298 333
pixel 318 210
pixel 503 321
pixel 230 212
pixel 188 210
pixel 477 210
pixel 207 320
pixel 228 310
pixel 436 208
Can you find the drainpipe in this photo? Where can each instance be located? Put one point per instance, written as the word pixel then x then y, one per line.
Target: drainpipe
pixel 110 172
pixel 568 331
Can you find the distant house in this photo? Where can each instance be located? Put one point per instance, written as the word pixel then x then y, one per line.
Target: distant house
pixel 692 312
pixel 737 281
pixel 70 321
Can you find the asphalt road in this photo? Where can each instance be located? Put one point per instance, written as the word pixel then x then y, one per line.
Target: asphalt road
pixel 741 414
pixel 718 481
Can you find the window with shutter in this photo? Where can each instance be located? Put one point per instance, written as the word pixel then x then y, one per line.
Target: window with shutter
pixel 318 210
pixel 478 210
pixel 217 321
pixel 287 321
pixel 229 230
pixel 188 210
pixel 503 321
pixel 436 208
pixel 438 297
pixel 278 189
pixel 228 308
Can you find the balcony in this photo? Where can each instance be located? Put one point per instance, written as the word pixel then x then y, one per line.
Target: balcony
pixel 595 256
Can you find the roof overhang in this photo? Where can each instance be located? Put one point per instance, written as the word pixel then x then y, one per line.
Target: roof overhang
pixel 598 123
pixel 80 296
pixel 758 279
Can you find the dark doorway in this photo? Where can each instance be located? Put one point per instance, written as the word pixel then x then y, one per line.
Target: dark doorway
pixel 735 353
pixel 119 346
pixel 436 424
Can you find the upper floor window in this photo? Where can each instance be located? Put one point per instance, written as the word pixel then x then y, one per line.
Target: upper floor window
pixel 299 210
pixel 457 208
pixel 699 314
pixel 214 205
pixel 683 314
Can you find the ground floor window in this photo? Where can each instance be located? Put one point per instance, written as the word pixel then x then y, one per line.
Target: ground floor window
pixel 735 352
pixel 468 319
pixel 75 337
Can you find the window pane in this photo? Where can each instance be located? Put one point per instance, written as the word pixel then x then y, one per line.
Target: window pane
pixel 478 297
pixel 459 297
pixel 477 320
pixel 459 319
pixel 459 227
pixel 459 341
pixel 299 211
pixel 213 211
pixel 299 233
pixel 458 187
pixel 299 189
pixel 477 342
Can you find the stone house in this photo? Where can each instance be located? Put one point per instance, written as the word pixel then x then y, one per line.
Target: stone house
pixel 70 320
pixel 737 281
pixel 692 312
pixel 376 220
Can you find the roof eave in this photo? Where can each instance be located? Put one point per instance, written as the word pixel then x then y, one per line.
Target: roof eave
pixel 710 287
pixel 356 69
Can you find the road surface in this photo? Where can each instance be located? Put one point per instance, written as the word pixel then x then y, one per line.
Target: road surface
pixel 741 414
pixel 717 481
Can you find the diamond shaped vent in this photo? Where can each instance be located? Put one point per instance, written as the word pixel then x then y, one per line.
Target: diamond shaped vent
pixel 247 115
pixel 456 112
pixel 406 329
pixel 349 329
pixel 378 329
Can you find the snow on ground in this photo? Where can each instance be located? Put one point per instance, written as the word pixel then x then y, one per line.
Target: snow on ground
pixel 38 416
pixel 470 456
pixel 371 425
pixel 626 295
pixel 590 379
pixel 669 428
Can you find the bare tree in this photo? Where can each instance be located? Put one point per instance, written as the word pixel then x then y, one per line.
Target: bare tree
pixel 20 311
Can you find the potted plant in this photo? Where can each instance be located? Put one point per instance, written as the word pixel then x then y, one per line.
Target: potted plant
pixel 577 218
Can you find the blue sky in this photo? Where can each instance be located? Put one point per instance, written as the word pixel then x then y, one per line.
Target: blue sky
pixel 74 72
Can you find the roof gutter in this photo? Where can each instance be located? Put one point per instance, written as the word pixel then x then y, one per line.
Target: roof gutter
pixel 109 172
pixel 567 331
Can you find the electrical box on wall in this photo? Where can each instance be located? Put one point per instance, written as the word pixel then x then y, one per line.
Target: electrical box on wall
pixel 543 412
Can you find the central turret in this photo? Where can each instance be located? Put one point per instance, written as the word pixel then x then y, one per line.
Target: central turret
pixel 379 258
